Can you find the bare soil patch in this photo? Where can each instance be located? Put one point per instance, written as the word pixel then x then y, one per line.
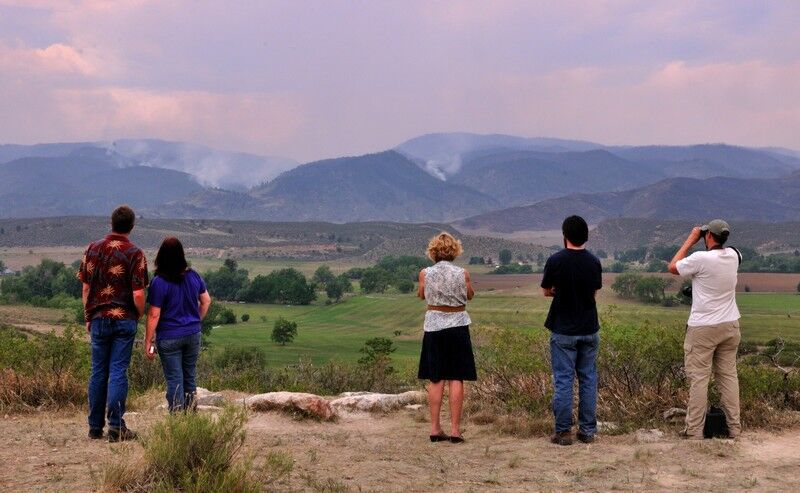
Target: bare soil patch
pixel 49 452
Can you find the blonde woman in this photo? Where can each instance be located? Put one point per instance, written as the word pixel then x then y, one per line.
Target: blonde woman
pixel 446 347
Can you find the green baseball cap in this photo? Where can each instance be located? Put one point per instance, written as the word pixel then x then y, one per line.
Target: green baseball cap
pixel 717 227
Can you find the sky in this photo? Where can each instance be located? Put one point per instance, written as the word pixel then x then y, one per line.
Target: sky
pixel 312 80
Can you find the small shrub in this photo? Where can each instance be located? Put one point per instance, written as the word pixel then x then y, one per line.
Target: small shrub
pixel 190 452
pixel 284 331
pixel 405 286
pixel 245 317
pixel 227 316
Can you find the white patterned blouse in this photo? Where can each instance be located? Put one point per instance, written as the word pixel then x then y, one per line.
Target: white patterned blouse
pixel 445 285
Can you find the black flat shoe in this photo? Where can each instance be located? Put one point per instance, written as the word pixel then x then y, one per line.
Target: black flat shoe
pixel 95 433
pixel 439 438
pixel 456 439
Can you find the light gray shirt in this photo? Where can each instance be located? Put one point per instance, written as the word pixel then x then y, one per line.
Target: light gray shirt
pixel 445 285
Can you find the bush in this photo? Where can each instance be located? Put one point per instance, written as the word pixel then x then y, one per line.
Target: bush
pixel 39 371
pixel 514 269
pixel 226 316
pixel 245 317
pixel 405 286
pixel 284 331
pixel 191 452
pixel 374 280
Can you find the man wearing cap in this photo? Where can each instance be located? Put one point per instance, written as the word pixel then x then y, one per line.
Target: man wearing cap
pixel 712 332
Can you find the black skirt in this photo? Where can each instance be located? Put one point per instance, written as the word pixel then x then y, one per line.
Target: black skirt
pixel 447 355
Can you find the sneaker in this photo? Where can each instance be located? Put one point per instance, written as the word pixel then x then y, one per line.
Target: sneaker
pixel 121 435
pixel 95 433
pixel 585 438
pixel 562 438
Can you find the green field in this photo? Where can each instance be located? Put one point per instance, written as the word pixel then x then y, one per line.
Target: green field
pixel 338 331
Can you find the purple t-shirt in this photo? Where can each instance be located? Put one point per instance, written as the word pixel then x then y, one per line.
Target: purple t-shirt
pixel 179 303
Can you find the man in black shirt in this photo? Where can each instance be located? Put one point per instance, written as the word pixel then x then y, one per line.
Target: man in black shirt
pixel 572 278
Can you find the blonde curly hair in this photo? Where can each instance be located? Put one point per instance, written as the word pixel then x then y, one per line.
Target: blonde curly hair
pixel 444 246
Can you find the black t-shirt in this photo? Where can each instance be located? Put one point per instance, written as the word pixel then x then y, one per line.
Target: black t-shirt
pixel 575 275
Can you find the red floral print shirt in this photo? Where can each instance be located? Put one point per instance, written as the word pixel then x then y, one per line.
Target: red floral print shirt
pixel 113 268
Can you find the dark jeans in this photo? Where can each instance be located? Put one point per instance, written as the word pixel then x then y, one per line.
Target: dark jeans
pixel 112 343
pixel 179 361
pixel 571 355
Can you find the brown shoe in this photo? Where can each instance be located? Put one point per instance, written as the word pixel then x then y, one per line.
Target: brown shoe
pixel 562 438
pixel 121 435
pixel 585 438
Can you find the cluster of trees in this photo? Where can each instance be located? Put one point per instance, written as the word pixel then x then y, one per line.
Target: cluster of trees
pixel 648 289
pixel 42 284
pixel 397 271
pixel 285 286
pixel 514 269
pixel 777 262
pixel 335 286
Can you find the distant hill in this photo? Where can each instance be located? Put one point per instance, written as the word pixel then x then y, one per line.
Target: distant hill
pixel 624 234
pixel 211 167
pixel 383 186
pixel 775 199
pixel 435 177
pixel 442 154
pixel 86 181
pixel 255 239
pixel 707 160
pixel 525 177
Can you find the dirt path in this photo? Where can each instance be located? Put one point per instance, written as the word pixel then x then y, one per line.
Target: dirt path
pixel 48 452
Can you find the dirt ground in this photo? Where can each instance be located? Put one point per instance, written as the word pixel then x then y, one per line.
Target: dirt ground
pixel 49 452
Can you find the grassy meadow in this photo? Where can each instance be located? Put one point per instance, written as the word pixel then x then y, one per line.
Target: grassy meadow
pixel 339 330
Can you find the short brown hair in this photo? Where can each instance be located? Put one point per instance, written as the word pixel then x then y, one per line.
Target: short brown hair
pixel 122 219
pixel 444 246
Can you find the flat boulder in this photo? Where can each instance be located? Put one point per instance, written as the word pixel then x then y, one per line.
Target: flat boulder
pixel 205 397
pixel 375 402
pixel 295 402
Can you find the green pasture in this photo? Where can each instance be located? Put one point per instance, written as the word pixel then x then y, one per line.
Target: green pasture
pixel 339 330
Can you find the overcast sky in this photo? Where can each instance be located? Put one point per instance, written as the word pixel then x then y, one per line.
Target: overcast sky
pixel 320 79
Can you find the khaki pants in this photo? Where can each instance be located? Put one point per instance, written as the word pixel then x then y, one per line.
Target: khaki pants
pixel 708 349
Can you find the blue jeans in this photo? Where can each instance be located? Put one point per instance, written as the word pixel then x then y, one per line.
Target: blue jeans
pixel 112 343
pixel 179 361
pixel 570 355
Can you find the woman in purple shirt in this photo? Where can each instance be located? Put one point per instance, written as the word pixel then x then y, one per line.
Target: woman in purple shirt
pixel 178 302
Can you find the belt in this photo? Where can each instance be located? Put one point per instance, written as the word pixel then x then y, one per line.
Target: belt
pixel 447 309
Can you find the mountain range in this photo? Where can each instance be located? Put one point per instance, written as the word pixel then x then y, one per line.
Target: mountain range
pixel 498 182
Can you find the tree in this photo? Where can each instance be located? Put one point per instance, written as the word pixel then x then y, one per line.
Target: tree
pixel 228 282
pixel 285 286
pixel 284 331
pixel 374 280
pixel 323 276
pixel 505 256
pixel 336 288
pixel 625 285
pixel 245 317
pixel 405 286
pixel 651 289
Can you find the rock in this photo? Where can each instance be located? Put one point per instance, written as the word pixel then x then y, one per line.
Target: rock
pixel 373 402
pixel 649 436
pixel 204 397
pixel 298 402
pixel 674 415
pixel 413 407
pixel 607 426
pixel 208 398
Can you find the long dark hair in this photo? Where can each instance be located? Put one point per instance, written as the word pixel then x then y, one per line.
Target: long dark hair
pixel 171 261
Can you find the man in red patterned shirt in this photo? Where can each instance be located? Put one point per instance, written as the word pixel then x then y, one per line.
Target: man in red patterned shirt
pixel 114 275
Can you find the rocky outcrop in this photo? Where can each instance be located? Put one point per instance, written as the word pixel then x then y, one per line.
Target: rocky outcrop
pixel 296 402
pixel 374 402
